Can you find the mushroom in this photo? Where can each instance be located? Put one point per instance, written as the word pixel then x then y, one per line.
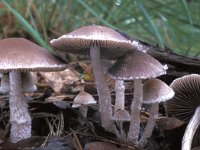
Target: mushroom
pixel 20 55
pixel 27 83
pixel 120 114
pixel 82 101
pixel 99 42
pixel 154 92
pixel 185 105
pixel 136 66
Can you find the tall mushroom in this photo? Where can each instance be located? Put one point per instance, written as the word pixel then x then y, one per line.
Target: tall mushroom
pixel 185 105
pixel 19 55
pixel 136 66
pixel 99 42
pixel 154 92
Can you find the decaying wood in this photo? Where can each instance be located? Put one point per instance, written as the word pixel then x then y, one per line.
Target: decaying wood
pixel 177 65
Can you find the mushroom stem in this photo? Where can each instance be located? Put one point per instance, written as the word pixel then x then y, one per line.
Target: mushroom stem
pixel 83 110
pixel 119 89
pixel 149 126
pixel 102 89
pixel 19 116
pixel 190 130
pixel 134 129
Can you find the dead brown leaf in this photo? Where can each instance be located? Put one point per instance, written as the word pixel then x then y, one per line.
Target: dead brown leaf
pixel 60 81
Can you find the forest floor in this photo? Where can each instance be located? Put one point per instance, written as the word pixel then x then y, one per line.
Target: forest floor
pixel 56 125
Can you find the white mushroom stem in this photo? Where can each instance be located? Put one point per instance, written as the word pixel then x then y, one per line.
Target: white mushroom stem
pixel 134 129
pixel 190 130
pixel 102 89
pixel 19 116
pixel 149 126
pixel 119 90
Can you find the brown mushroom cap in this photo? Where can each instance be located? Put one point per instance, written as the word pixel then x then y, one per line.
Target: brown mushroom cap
pixel 186 99
pixel 136 65
pixel 79 41
pixel 23 55
pixel 154 90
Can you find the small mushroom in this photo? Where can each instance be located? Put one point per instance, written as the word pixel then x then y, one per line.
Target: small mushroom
pixel 136 66
pixel 20 55
pixel 120 114
pixel 82 101
pixel 99 42
pixel 185 105
pixel 154 92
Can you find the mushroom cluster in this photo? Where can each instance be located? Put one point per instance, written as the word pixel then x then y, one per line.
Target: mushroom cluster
pixel 19 57
pixel 98 42
pixel 132 64
pixel 136 66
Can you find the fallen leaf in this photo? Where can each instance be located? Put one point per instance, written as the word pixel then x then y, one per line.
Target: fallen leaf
pixel 60 81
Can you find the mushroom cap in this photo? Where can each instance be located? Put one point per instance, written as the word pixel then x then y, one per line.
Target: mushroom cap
pixel 79 41
pixel 83 98
pixel 136 65
pixel 121 115
pixel 155 90
pixel 22 55
pixel 186 99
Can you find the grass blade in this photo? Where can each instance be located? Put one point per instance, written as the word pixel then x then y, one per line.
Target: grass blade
pixel 152 25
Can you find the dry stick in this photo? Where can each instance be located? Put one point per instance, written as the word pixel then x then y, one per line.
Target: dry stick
pixel 102 88
pixel 190 130
pixel 150 125
pixel 19 116
pixel 134 129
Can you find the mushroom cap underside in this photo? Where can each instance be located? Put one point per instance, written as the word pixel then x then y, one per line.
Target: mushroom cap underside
pixel 186 99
